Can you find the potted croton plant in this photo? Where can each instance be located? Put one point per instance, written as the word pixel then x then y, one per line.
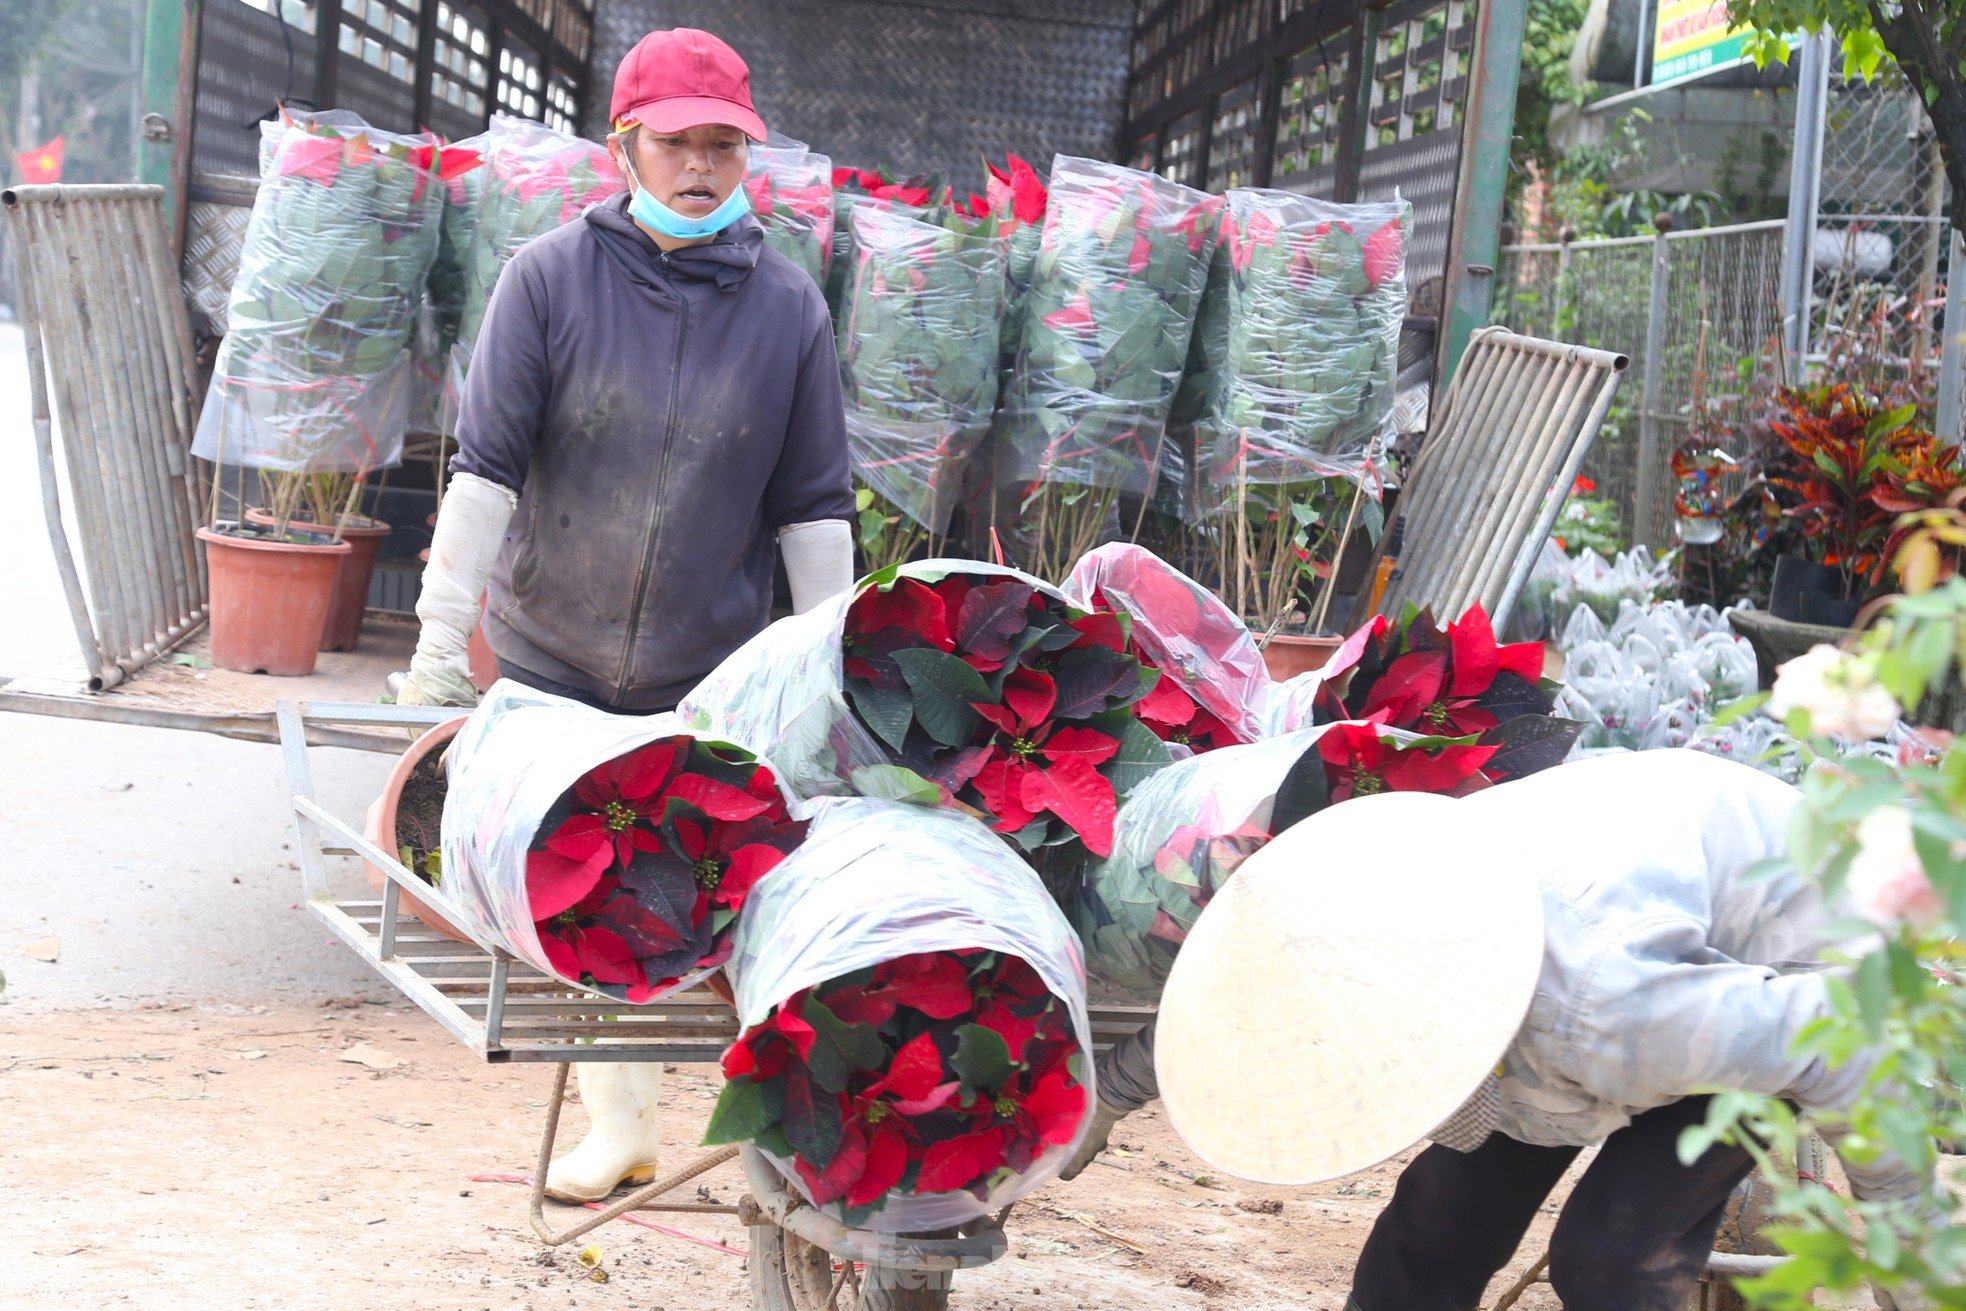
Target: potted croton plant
pixel 1844 470
pixel 1842 478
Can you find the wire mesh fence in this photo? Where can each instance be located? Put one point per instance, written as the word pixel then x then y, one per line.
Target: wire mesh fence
pixel 1879 257
pixel 1696 311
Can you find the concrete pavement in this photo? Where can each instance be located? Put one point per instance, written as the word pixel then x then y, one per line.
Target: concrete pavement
pixel 160 861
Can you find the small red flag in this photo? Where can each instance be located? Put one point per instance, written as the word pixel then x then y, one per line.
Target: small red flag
pixel 41 164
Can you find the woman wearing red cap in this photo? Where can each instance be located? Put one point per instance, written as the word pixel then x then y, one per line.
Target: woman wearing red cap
pixel 652 416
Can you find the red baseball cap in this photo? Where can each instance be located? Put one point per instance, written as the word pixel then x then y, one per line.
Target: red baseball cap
pixel 683 78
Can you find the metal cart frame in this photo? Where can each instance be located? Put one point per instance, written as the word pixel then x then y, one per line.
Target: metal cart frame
pixel 507 1012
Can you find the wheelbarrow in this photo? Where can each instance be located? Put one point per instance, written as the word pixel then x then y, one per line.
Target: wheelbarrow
pixel 507 1012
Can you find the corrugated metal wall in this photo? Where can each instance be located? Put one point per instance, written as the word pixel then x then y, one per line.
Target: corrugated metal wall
pixel 918 85
pixel 248 61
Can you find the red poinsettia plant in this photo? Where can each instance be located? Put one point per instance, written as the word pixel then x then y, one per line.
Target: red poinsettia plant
pixel 1016 193
pixel 1181 838
pixel 1177 711
pixel 1011 703
pixel 639 871
pixel 934 1073
pixel 1455 684
pixel 1213 675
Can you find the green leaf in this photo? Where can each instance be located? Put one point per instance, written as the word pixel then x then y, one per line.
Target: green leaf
pixel 1094 679
pixel 1303 792
pixel 838 1048
pixel 743 1110
pixel 943 686
pixel 1031 837
pixel 895 783
pixel 811 1120
pixel 1175 869
pixel 982 1059
pixel 1872 984
pixel 1141 754
pixel 772 1139
pixel 887 710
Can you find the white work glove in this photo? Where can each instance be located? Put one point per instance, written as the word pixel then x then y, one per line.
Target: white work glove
pixel 470 527
pixel 818 561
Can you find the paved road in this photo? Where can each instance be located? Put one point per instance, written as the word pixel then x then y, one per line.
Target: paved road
pixel 159 860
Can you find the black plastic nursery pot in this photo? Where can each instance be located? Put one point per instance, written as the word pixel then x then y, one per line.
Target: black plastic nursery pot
pixel 1805 592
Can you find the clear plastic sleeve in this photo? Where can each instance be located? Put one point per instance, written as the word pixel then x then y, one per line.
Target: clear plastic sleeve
pixel 851 187
pixel 1183 455
pixel 875 881
pixel 1104 335
pixel 786 686
pixel 511 762
pixel 1315 296
pixel 1534 618
pixel 315 373
pixel 1179 838
pixel 1655 677
pixel 534 180
pixel 791 192
pixel 918 356
pixel 434 406
pixel 1606 585
pixel 1185 630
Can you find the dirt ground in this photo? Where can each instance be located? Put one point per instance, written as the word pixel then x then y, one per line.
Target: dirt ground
pixel 232 1159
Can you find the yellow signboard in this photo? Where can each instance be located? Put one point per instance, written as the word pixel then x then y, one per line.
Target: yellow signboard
pixel 1694 37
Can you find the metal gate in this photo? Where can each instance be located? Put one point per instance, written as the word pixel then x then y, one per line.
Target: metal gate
pixel 107 336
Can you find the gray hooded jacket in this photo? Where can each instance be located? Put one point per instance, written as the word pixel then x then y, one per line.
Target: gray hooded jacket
pixel 661 417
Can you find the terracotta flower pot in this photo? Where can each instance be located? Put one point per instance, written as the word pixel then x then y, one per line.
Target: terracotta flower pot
pixel 381 826
pixel 269 601
pixel 351 597
pixel 1288 654
pixel 478 653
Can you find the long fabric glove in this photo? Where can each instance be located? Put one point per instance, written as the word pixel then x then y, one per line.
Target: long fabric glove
pixel 1104 1116
pixel 470 528
pixel 818 561
pixel 1126 1083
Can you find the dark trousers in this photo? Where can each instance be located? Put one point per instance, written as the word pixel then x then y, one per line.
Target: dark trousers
pixel 541 683
pixel 1634 1235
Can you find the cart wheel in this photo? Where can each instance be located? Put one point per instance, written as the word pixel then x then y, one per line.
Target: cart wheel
pixel 790 1274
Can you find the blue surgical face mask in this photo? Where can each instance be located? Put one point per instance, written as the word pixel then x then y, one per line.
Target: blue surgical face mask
pixel 647 210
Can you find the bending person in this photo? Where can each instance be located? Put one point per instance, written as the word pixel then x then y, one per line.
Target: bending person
pixel 1578 957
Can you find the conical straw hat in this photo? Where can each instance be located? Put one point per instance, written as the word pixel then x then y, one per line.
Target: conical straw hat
pixel 1347 989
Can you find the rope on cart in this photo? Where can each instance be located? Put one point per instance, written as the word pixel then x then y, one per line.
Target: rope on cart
pixel 631 1218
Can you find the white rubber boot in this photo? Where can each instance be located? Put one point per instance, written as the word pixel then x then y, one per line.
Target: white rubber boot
pixel 620 1145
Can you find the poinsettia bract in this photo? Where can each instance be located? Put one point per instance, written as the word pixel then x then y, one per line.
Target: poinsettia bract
pixel 1011 703
pixel 936 1072
pixel 638 872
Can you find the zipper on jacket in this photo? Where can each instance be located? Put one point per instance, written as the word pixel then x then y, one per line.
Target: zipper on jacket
pixel 655 513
